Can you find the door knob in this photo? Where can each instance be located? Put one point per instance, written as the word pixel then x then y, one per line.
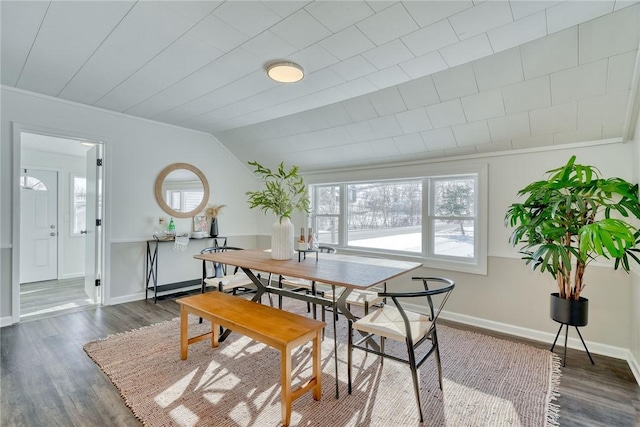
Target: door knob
pixel 52 234
pixel 83 231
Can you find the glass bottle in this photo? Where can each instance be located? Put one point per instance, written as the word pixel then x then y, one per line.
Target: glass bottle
pixel 171 229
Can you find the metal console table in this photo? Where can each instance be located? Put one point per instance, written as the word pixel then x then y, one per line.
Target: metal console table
pixel 151 270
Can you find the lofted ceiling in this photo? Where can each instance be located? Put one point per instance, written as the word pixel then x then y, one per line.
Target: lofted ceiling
pixel 385 81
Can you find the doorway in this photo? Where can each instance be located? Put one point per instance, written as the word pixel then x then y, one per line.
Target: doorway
pixel 60 224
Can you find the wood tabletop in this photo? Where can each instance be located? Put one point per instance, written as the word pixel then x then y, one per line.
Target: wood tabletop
pixel 334 269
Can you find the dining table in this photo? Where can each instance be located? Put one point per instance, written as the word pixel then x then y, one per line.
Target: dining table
pixel 350 272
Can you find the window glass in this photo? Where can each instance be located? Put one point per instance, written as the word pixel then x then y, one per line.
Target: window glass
pixel 31 183
pixel 454 213
pixel 385 215
pixel 79 208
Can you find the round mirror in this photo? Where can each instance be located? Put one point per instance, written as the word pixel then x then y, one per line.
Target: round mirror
pixel 182 190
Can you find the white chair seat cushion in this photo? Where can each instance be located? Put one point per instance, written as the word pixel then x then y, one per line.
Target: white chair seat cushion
pixel 297 283
pixel 387 322
pixel 238 280
pixel 357 297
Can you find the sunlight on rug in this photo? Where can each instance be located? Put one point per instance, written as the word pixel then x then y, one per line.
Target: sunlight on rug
pixel 487 381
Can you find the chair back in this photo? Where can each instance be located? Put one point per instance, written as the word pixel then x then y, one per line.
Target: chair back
pixel 219 270
pixel 434 311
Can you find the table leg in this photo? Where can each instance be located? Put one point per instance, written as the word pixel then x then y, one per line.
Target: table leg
pixel 260 288
pixel 184 332
pixel 342 307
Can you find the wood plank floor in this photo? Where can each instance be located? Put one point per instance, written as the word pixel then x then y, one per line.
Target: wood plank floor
pixel 46 379
pixel 41 299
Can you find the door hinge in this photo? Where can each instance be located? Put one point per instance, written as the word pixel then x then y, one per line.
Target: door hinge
pixel 97 282
pixel 99 162
pixel 98 222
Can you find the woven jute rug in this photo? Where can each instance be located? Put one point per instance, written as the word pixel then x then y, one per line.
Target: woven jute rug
pixel 487 381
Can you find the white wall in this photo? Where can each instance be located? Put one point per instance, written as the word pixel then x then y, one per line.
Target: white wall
pixel 635 275
pixel 511 297
pixel 72 247
pixel 136 151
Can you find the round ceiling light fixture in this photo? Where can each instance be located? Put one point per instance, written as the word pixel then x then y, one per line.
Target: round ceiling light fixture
pixel 285 72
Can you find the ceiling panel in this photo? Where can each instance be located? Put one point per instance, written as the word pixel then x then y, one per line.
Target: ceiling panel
pixel 389 80
pixel 58 42
pixel 20 24
pixel 145 32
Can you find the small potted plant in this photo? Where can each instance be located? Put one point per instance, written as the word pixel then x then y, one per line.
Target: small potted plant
pixel 569 220
pixel 284 194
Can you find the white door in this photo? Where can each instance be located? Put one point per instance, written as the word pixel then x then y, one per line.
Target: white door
pixel 38 225
pixel 93 243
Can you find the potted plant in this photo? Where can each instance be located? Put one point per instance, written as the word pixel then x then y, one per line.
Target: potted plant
pixel 569 220
pixel 284 194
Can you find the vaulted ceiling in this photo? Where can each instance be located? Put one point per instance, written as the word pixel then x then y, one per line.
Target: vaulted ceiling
pixel 385 81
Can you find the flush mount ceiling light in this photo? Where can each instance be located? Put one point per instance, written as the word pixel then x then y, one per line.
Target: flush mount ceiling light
pixel 285 72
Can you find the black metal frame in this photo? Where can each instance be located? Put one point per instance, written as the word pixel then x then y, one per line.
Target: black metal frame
pixel 566 335
pixel 431 334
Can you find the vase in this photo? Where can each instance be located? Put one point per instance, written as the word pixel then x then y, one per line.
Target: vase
pixel 282 238
pixel 214 227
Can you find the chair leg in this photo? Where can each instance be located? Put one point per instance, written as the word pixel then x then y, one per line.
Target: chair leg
pixel 438 362
pixel 381 350
pixel 349 353
pixel 414 376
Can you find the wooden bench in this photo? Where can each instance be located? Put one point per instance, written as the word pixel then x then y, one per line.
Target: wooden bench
pixel 279 329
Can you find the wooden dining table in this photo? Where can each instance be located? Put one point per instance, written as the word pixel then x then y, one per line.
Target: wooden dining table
pixel 347 271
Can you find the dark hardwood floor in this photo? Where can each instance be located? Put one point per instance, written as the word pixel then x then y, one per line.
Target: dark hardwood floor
pixel 46 378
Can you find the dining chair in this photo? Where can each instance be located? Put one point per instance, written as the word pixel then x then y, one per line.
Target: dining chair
pixel 224 278
pixel 400 324
pixel 302 285
pixel 364 298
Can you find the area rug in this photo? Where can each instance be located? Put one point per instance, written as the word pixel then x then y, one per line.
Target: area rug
pixel 487 381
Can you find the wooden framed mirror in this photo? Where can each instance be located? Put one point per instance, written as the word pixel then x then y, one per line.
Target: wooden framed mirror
pixel 182 190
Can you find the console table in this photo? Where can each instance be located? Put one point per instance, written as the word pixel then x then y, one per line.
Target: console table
pixel 151 270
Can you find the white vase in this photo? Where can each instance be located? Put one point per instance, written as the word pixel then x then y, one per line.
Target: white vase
pixel 282 239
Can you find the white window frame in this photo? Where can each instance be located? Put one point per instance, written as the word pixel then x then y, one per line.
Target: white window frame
pixel 475 265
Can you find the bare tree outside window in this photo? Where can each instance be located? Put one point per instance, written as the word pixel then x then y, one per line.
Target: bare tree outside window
pixel 385 215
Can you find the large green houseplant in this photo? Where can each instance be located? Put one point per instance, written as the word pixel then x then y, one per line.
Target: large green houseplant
pixel 284 193
pixel 571 218
pixel 567 221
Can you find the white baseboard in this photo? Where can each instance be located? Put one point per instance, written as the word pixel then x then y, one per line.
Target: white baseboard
pixel 71 275
pixel 635 367
pixel 6 321
pixel 126 298
pixel 594 347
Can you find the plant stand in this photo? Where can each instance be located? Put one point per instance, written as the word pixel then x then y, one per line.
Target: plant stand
pixel 566 334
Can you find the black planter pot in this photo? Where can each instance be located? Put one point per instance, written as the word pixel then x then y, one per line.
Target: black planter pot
pixel 569 312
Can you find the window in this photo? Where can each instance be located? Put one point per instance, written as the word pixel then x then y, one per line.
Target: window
pixel 31 183
pixel 434 218
pixel 385 215
pixel 184 200
pixel 79 204
pixel 452 221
